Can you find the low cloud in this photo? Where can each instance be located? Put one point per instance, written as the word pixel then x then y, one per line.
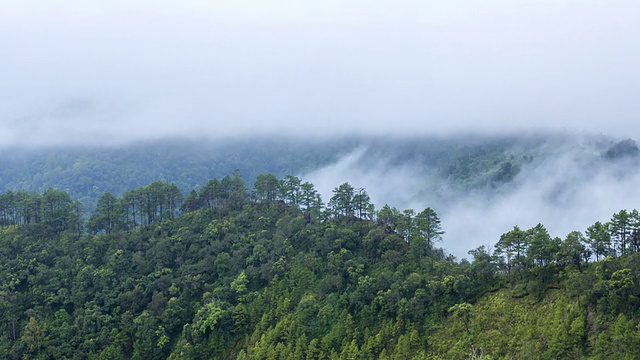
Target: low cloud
pixel 147 70
pixel 114 72
pixel 567 187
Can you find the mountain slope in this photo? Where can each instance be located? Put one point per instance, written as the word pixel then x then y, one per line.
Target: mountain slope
pixel 260 278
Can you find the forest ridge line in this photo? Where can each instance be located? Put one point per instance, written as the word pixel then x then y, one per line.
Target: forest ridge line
pixel 161 200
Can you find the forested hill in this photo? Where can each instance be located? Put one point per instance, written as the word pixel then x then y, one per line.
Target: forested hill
pixel 275 273
pixel 464 162
pixel 88 172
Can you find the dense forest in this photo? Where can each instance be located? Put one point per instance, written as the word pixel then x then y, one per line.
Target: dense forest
pixel 274 272
pixel 88 172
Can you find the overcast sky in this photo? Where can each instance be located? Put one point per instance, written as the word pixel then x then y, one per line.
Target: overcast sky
pixel 115 70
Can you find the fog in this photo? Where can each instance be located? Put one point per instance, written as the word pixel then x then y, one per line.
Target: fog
pixel 570 187
pixel 113 72
pixel 116 71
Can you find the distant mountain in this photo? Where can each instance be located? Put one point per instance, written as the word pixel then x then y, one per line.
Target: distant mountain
pixel 86 172
pixel 463 162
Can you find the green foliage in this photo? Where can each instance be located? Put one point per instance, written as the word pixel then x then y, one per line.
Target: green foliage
pixel 86 173
pixel 263 275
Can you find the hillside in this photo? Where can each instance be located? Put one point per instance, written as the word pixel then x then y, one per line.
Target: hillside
pixel 277 274
pixel 87 172
pixel 588 314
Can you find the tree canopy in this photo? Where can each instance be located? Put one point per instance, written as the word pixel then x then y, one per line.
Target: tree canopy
pixel 270 272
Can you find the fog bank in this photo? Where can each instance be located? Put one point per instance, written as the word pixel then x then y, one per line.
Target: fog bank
pixel 565 188
pixel 118 71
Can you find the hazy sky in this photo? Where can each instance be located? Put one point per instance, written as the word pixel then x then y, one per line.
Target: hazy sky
pixel 82 70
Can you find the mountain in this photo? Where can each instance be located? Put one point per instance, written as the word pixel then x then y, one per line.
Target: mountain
pixel 461 162
pixel 479 184
pixel 267 275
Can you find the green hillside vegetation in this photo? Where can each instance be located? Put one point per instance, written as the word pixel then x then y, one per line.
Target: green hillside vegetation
pixel 88 172
pixel 275 273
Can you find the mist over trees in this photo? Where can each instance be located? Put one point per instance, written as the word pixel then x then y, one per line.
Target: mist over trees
pixel 475 182
pixel 269 270
pixel 372 134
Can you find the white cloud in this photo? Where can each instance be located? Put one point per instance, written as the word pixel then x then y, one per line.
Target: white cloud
pixel 232 67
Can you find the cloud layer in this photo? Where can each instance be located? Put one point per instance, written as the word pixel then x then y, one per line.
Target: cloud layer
pixel 115 71
pixel 568 187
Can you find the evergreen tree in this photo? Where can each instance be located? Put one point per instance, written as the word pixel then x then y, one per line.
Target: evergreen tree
pixel 342 203
pixel 290 190
pixel 363 207
pixel 389 216
pixel 310 201
pixel 572 250
pixel 58 212
pixel 599 240
pixel 513 245
pixel 634 231
pixel 191 203
pixel 429 226
pixel 542 248
pixel 620 227
pixel 266 187
pixel 106 216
